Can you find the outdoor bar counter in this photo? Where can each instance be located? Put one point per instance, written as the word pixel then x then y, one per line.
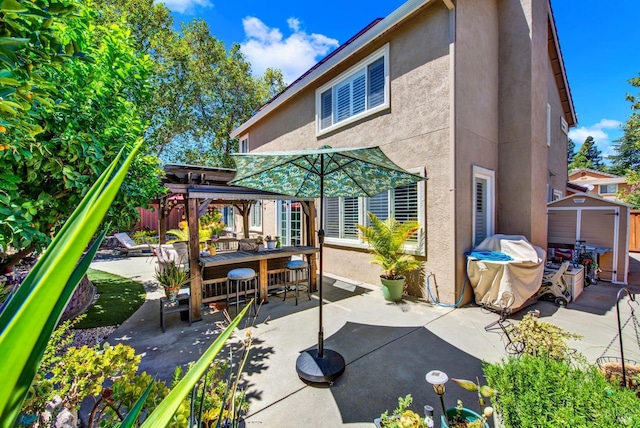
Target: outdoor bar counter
pixel 270 266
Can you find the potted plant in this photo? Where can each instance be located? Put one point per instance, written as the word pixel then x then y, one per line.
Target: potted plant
pixel 271 243
pixel 462 417
pixel 171 276
pixel 387 239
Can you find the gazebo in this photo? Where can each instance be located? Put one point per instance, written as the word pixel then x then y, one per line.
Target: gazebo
pixel 196 185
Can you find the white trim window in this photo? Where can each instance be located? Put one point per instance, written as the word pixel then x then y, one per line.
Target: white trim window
pixel 483 204
pixel 359 92
pixel 228 218
pixel 404 203
pixel 557 194
pixel 608 189
pixel 243 145
pixel 255 216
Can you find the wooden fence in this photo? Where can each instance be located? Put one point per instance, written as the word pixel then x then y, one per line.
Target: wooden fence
pixel 149 218
pixel 634 231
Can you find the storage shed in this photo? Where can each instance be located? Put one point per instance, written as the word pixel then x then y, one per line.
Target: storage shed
pixel 601 224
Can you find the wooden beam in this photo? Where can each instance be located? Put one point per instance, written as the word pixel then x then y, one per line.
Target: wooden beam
pixel 162 220
pixel 244 207
pixel 194 259
pixel 311 239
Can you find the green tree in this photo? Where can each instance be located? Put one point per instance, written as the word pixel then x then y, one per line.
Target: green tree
pixel 588 156
pixel 201 90
pixel 627 157
pixel 571 152
pixel 630 147
pixel 83 115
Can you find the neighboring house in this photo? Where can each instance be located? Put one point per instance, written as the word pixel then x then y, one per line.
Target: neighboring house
pixel 599 183
pixel 471 93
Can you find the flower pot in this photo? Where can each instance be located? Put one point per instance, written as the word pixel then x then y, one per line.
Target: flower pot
pixel 212 249
pixel 464 413
pixel 172 293
pixel 392 288
pixel 271 245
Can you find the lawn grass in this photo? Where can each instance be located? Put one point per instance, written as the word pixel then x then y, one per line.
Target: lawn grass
pixel 119 299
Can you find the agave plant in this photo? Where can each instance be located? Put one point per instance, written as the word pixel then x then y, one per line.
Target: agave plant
pixel 31 314
pixel 387 239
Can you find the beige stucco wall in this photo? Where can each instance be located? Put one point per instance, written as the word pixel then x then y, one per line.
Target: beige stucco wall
pixel 523 153
pixel 476 112
pixel 413 132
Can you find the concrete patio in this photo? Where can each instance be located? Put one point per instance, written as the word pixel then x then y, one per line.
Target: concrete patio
pixel 388 347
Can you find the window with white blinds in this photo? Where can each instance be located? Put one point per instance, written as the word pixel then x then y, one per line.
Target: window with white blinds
pixel 341 215
pixel 255 216
pixel 360 91
pixel 483 204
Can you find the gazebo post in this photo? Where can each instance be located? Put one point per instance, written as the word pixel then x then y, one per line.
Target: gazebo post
pixel 310 210
pixel 162 220
pixel 194 259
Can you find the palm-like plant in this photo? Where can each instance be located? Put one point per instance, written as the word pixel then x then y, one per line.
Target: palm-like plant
pixel 387 239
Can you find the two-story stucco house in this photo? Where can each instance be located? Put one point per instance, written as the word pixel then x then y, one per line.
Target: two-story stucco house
pixel 471 93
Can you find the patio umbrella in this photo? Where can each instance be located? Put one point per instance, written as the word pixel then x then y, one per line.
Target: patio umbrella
pixel 320 173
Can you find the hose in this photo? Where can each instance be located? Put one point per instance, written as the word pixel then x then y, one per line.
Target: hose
pixel 444 305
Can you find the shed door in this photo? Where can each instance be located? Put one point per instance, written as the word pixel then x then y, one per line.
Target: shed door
pixel 598 229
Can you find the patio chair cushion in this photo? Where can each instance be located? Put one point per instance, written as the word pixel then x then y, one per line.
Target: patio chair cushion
pixel 297 264
pixel 128 243
pixel 241 273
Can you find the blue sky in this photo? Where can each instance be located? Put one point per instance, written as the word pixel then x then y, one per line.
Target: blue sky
pixel 599 42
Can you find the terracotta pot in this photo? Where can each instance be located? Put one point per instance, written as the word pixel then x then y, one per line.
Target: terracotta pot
pixel 172 292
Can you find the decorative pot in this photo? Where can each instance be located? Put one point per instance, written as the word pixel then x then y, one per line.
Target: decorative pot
pixel 392 288
pixel 172 292
pixel 464 413
pixel 212 249
pixel 271 245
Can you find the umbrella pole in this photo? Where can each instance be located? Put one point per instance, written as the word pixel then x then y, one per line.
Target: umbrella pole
pixel 320 365
pixel 320 287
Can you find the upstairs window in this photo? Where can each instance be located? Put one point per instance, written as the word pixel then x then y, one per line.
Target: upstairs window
pixel 360 91
pixel 608 189
pixel 244 144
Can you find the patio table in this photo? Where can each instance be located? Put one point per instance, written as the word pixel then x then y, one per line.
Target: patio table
pixel 253 259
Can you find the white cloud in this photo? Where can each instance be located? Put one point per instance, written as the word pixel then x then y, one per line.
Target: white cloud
pixel 185 6
pixel 266 47
pixel 601 133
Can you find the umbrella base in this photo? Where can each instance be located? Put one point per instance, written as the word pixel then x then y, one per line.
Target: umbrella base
pixel 320 370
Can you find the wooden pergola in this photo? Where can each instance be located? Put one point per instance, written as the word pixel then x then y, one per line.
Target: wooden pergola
pixel 196 185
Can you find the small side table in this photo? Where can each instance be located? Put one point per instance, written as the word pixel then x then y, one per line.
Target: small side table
pixel 182 304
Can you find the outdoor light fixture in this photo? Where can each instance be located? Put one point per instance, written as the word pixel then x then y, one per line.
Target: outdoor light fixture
pixel 438 379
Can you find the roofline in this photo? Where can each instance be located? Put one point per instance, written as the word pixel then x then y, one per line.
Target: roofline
pixel 334 59
pixel 556 41
pixel 577 170
pixel 585 195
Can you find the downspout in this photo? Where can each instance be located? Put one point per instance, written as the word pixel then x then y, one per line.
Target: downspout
pixel 452 146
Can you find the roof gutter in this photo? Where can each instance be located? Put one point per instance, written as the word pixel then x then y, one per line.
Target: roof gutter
pixel 379 29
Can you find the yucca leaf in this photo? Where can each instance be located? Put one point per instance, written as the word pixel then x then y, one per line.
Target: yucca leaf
pixel 162 414
pixel 130 420
pixel 29 318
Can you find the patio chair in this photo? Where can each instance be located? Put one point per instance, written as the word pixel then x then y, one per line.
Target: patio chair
pixel 128 245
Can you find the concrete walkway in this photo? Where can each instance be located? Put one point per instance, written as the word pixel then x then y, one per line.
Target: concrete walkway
pixel 388 347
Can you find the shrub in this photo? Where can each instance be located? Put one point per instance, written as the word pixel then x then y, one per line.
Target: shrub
pixel 145 237
pixel 543 339
pixel 540 392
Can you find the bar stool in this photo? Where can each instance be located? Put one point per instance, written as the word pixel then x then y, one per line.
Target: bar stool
pixel 296 267
pixel 242 277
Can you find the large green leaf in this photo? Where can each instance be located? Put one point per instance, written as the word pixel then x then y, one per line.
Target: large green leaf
pixel 163 414
pixel 33 312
